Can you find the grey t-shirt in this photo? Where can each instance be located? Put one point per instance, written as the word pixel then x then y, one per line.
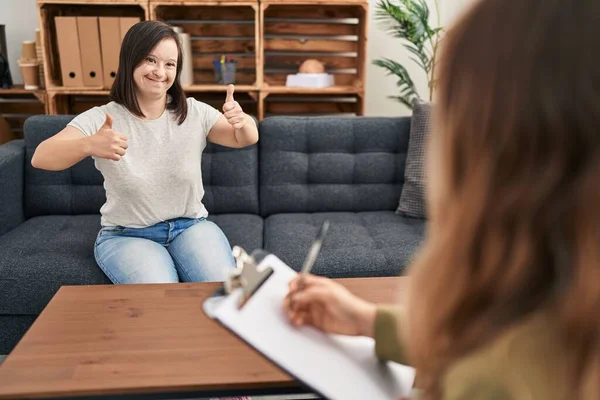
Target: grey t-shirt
pixel 160 176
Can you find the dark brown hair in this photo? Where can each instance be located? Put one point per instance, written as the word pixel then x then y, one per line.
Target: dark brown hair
pixel 137 44
pixel 516 229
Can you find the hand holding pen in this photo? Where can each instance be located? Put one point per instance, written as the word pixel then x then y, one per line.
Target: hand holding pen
pixel 313 253
pixel 325 304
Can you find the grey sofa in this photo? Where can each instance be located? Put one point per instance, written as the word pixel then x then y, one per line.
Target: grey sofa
pixel 273 195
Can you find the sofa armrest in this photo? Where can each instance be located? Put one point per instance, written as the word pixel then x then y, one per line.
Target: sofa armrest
pixel 12 166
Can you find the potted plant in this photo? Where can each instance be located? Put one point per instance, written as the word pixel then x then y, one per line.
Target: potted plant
pixel 408 20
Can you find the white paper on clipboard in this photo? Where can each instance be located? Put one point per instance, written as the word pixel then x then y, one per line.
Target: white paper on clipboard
pixel 334 366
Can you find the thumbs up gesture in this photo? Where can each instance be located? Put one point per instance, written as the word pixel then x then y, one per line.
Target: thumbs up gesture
pixel 232 110
pixel 108 143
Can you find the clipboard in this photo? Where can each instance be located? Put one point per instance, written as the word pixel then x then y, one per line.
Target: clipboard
pixel 335 367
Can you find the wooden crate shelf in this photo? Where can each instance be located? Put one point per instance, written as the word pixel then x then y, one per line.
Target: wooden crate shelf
pixel 333 33
pixel 75 102
pixel 326 90
pixel 268 38
pixel 248 101
pixel 217 28
pixel 101 2
pixel 218 88
pixel 78 102
pixel 314 3
pixel 196 2
pixel 16 105
pixel 311 105
pixel 53 8
pixel 187 89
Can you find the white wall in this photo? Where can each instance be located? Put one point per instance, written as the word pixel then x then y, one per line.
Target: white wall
pixel 20 18
pixel 380 44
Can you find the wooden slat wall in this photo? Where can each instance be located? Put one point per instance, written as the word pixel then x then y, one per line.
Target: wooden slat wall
pixel 16 109
pixel 79 104
pixel 312 105
pixel 294 33
pixel 217 30
pixel 248 104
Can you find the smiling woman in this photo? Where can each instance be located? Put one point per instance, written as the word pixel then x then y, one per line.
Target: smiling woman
pixel 149 64
pixel 147 143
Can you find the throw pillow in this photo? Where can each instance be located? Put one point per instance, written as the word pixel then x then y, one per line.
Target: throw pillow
pixel 412 199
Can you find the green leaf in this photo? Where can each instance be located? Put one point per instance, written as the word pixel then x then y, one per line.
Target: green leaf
pixel 424 58
pixel 417 61
pixel 404 19
pixel 404 83
pixel 406 100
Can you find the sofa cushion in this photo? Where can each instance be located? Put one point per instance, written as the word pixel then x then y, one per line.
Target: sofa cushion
pixel 12 329
pixel 44 253
pixel 362 244
pixel 76 190
pixel 230 177
pixel 12 159
pixel 41 255
pixel 244 230
pixel 322 164
pixel 412 200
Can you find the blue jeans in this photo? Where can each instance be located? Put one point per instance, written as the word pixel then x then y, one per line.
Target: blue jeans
pixel 188 250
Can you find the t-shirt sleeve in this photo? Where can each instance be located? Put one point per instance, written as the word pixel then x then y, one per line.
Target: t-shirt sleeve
pixel 207 114
pixel 88 122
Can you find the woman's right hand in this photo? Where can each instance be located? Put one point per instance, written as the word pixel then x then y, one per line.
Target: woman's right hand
pixel 107 143
pixel 328 306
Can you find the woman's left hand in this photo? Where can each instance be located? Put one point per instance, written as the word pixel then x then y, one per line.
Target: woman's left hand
pixel 233 111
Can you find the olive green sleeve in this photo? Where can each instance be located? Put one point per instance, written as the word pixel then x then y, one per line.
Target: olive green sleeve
pixel 388 346
pixel 478 389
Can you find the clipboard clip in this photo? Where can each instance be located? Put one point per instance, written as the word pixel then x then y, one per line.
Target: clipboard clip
pixel 247 275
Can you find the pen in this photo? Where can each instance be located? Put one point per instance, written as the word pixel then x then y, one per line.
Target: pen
pixel 315 248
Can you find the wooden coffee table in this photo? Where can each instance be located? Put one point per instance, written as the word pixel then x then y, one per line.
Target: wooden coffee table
pixel 153 341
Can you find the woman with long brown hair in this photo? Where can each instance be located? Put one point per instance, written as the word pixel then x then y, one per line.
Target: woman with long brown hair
pixel 504 298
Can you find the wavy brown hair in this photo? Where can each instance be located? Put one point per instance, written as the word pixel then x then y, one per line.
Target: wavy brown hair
pixel 515 224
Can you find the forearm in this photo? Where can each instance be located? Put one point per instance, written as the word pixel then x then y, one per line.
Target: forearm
pixel 248 134
pixel 56 155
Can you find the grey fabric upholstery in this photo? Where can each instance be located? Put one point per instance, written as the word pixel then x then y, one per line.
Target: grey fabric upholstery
pixel 12 329
pixel 376 243
pixel 244 230
pixel 42 254
pixel 230 178
pixel 77 190
pixel 12 159
pixel 323 164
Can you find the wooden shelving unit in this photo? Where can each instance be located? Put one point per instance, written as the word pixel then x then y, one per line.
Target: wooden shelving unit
pixel 269 39
pixel 77 101
pixel 16 105
pixel 215 28
pixel 48 9
pixel 333 32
